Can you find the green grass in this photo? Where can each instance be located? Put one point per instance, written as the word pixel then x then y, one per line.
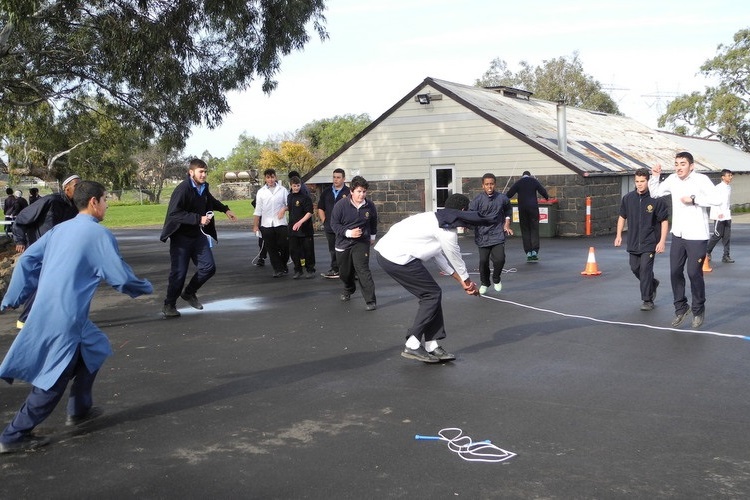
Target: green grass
pixel 153 215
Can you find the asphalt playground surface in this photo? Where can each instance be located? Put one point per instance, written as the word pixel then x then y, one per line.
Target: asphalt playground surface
pixel 279 390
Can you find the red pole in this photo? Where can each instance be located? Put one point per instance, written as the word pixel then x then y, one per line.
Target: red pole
pixel 588 216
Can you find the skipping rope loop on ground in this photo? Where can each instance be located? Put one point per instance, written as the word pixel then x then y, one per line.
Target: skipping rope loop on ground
pixel 464 447
pixel 610 322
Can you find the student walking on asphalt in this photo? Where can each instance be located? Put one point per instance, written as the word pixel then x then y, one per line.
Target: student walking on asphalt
pixel 355 222
pixel 330 196
pixel 188 225
pixel 648 224
pixel 722 217
pixel 490 239
pixel 301 231
pixel 269 219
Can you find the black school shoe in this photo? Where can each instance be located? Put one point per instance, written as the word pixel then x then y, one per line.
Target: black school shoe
pixel 442 354
pixel 419 354
pixel 679 318
pixel 27 443
pixel 94 412
pixel 697 321
pixel 170 311
pixel 192 299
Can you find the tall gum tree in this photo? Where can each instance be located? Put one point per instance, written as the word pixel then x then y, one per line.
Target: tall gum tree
pixel 721 111
pixel 171 62
pixel 559 79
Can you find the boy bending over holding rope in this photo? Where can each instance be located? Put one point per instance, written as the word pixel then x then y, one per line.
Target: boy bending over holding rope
pixel 402 253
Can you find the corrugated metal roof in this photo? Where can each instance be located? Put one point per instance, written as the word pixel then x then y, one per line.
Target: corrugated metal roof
pixel 721 154
pixel 597 143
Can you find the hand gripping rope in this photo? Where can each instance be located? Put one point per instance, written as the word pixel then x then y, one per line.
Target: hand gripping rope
pixel 210 216
pixel 464 447
pixel 262 246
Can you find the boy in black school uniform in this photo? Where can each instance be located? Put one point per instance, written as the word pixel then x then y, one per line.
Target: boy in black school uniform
pixel 301 231
pixel 648 225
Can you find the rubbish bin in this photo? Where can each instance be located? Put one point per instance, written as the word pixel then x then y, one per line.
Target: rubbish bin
pixel 547 218
pixel 514 221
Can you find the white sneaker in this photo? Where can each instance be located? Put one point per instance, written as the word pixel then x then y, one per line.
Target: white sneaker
pixel 482 290
pixel 498 286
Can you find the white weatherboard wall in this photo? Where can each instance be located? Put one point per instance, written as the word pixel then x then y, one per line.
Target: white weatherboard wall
pixel 416 137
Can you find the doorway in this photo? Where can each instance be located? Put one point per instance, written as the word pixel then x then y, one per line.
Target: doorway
pixel 443 182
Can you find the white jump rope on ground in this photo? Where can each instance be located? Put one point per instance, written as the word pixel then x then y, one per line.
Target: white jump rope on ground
pixel 609 322
pixel 471 451
pixel 485 451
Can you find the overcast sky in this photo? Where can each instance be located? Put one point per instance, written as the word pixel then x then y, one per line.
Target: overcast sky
pixel 645 51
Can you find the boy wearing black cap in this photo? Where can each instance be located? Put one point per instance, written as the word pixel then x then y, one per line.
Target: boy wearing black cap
pixel 402 253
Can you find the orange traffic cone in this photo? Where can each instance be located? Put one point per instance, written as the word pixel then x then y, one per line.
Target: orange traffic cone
pixel 706 266
pixel 591 268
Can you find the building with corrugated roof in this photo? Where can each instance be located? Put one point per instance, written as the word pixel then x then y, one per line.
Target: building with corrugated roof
pixel 441 137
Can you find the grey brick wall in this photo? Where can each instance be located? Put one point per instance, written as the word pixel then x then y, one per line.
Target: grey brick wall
pixel 571 192
pixel 396 200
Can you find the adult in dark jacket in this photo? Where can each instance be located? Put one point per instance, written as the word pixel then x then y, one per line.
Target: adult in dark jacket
pixel 528 212
pixel 329 197
pixel 188 225
pixel 8 207
pixel 18 205
pixel 9 200
pixel 38 218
